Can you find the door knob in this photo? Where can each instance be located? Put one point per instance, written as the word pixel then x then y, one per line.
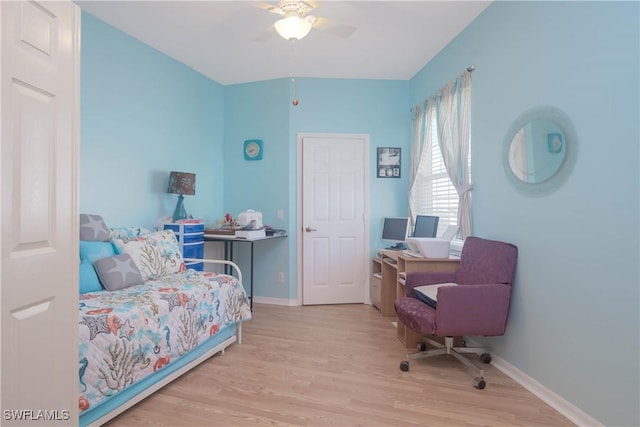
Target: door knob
pixel 309 229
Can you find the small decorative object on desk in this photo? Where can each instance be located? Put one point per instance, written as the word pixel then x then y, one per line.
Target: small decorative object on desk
pixel 229 221
pixel 228 226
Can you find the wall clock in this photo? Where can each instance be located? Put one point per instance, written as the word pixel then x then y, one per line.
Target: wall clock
pixel 253 149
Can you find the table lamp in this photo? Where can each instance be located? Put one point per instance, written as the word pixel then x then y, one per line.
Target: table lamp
pixel 181 183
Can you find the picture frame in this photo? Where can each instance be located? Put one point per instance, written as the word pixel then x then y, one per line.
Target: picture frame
pixel 389 162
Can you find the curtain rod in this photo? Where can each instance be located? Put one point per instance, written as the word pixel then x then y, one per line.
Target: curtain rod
pixel 470 69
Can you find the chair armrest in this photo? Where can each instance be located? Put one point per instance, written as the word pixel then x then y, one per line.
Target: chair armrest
pixel 414 279
pixel 472 310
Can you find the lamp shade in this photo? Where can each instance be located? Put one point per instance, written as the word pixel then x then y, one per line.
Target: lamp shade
pixel 182 183
pixel 293 27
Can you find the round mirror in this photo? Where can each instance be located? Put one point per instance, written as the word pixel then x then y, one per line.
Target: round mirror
pixel 540 150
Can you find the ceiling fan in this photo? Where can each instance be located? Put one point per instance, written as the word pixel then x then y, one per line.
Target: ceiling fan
pixel 296 22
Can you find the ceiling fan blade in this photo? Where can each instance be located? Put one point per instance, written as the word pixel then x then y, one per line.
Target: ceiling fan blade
pixel 264 6
pixel 336 28
pixel 312 3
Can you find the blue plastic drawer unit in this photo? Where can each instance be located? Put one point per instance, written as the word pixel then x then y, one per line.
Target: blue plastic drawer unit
pixel 191 239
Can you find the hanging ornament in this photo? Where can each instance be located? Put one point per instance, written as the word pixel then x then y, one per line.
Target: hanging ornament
pixel 295 101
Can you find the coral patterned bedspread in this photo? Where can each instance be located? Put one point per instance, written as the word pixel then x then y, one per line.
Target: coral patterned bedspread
pixel 131 333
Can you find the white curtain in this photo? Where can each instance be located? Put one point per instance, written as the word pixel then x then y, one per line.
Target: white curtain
pixel 419 129
pixel 450 109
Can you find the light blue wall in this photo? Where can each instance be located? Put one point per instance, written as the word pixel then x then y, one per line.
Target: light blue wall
pixel 574 323
pixel 375 107
pixel 142 115
pixel 264 110
pixel 260 111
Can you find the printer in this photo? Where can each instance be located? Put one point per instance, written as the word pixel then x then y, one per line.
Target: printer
pixel 433 247
pixel 428 247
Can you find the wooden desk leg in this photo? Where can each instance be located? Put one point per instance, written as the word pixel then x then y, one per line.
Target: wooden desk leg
pixel 411 338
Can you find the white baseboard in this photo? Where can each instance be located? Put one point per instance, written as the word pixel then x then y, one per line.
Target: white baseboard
pixel 566 408
pixel 275 301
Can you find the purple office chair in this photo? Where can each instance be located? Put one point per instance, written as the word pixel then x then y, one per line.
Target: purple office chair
pixel 478 306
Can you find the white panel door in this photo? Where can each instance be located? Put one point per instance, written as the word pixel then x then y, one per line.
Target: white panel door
pixel 39 264
pixel 333 219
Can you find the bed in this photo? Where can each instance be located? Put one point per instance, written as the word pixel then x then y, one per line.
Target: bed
pixel 135 339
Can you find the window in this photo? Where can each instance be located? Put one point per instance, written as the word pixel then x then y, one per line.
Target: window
pixel 433 191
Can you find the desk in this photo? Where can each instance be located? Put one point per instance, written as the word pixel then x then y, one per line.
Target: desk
pixel 389 270
pixel 228 252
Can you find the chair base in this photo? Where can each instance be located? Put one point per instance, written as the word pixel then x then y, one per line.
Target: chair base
pixel 457 352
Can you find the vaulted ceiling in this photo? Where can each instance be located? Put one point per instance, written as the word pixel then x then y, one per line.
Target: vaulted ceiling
pixel 235 42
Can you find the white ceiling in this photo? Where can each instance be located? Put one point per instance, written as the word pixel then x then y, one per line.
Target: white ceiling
pixel 234 41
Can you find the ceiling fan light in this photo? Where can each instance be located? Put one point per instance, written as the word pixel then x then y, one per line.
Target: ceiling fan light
pixel 293 27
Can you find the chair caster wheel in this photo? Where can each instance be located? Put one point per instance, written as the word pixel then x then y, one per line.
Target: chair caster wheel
pixel 404 366
pixel 485 357
pixel 479 383
pixel 422 346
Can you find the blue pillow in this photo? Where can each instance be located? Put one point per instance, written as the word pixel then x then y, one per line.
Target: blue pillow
pixel 93 251
pixel 89 281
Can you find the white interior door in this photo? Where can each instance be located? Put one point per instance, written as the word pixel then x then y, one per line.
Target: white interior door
pixel 334 212
pixel 39 243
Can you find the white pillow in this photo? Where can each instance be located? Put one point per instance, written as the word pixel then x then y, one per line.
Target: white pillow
pixel 156 254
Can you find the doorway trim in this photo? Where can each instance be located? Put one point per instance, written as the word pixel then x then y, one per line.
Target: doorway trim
pixel 299 232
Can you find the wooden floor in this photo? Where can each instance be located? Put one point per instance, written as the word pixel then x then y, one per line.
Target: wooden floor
pixel 333 366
